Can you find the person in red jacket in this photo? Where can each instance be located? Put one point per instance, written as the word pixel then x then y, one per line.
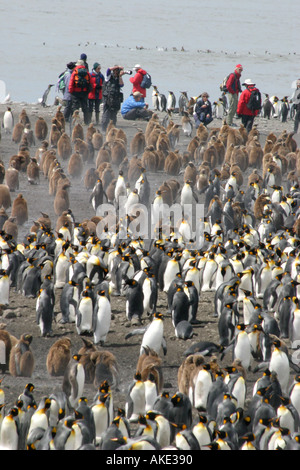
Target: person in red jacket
pixel 79 88
pixel 247 115
pixel 95 95
pixel 136 80
pixel 233 86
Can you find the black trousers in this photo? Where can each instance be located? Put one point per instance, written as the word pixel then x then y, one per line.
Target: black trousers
pixel 137 113
pixel 80 101
pixel 108 114
pixel 247 121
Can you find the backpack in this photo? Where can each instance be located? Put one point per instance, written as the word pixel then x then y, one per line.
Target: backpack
pixel 147 81
pixel 61 86
pixel 254 103
pixel 223 86
pixel 82 78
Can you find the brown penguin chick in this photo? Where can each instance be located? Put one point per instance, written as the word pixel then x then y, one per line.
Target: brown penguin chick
pixel 82 147
pixel 255 154
pixel 77 132
pixel 202 133
pixel 163 142
pixel 239 158
pixel 54 136
pixel 138 143
pixel 150 158
pixel 150 363
pixel 59 115
pixel 90 177
pixel 41 129
pixel 58 357
pixel 23 117
pixel 25 153
pixel 12 178
pixel 268 146
pixel 103 155
pixel 21 362
pixel 173 135
pixel 259 204
pixel 97 140
pixel 243 133
pixel 172 164
pixel 61 200
pixel 110 190
pixel 33 171
pixel 106 368
pixel 118 151
pixel 210 156
pixel 64 147
pixel 166 193
pixel 5 199
pixel 192 147
pixel 134 169
pixel 49 158
pixel 17 133
pixel 121 135
pixel 107 176
pixel 111 132
pixel 225 172
pixel 5 348
pixel 29 134
pixel 19 209
pixel 75 165
pixel 291 142
pixel 190 173
pixel 10 227
pixel 189 367
pixel 151 139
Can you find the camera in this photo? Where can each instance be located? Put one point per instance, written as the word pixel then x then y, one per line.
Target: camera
pixel 127 72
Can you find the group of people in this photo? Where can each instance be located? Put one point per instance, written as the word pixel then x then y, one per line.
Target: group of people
pixel 86 90
pixel 238 100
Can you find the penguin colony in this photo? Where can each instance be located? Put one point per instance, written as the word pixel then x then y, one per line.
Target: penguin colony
pixel 245 254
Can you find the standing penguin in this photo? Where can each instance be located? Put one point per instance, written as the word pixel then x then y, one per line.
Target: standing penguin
pixel 186 124
pixel 279 363
pixel 85 313
pixel 73 380
pixel 135 400
pixel 9 433
pixel 45 310
pixel 101 318
pixel 180 307
pixel 171 101
pixel 242 347
pixel 153 335
pixel 69 302
pixel 4 287
pixel 134 300
pixel 8 121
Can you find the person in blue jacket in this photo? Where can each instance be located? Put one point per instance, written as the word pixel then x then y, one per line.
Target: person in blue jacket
pixel 134 108
pixel 203 110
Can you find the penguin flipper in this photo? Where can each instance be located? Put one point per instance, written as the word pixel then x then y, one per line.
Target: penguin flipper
pixel 138 331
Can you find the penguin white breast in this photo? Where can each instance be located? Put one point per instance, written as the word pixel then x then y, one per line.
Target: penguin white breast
pixel 242 349
pixel 153 336
pixel 201 389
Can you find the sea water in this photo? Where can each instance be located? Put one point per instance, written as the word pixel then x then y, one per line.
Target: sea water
pixel 185 45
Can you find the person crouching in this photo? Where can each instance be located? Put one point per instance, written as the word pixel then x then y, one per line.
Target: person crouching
pixel 134 108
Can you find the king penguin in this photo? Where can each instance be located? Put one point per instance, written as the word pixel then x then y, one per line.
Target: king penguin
pixel 279 363
pixel 84 313
pixel 101 318
pixel 153 335
pixel 8 121
pixel 73 380
pixel 9 433
pixel 135 400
